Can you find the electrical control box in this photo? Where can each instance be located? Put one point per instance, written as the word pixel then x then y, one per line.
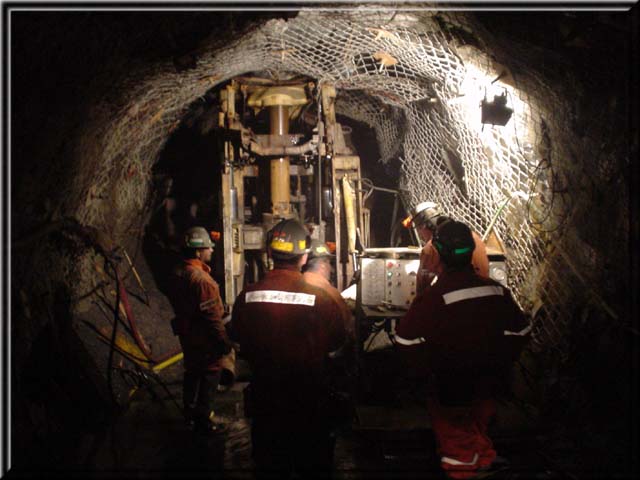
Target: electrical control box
pixel 388 276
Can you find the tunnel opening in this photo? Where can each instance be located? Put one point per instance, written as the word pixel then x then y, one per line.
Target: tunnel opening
pixel 408 86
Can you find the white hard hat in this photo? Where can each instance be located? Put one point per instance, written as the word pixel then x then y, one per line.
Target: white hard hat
pixel 425 213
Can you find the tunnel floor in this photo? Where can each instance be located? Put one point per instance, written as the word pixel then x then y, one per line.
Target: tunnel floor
pixel 150 440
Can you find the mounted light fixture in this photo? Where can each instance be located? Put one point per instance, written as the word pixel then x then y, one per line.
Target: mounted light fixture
pixel 495 112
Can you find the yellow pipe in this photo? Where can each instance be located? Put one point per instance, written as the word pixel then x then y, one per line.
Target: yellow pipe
pixel 159 367
pixel 168 362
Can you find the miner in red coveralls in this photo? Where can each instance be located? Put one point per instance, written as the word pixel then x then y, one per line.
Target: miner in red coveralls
pixel 426 217
pixel 286 329
pixel 198 323
pixel 463 334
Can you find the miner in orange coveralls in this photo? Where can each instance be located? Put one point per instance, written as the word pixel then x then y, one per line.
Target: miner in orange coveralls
pixel 426 218
pixel 342 368
pixel 198 323
pixel 286 329
pixel 463 334
pixel 317 272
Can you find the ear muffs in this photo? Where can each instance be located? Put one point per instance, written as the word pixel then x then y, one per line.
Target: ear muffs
pixel 453 248
pixel 442 249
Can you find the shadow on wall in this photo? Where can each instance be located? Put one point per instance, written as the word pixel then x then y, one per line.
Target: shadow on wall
pixel 58 408
pixel 186 189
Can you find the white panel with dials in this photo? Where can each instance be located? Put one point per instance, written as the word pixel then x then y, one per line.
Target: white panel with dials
pixel 400 288
pixel 389 281
pixel 372 281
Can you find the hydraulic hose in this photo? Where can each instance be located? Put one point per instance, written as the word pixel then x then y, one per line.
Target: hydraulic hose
pixel 512 195
pixel 113 341
pixel 124 298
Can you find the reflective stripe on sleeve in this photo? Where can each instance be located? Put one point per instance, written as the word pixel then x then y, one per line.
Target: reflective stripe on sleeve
pixel 208 304
pixel 521 333
pixel 475 292
pixel 453 461
pixel 404 341
pixel 277 296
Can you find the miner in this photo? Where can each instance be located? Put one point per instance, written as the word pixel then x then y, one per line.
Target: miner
pixel 462 337
pixel 426 217
pixel 198 323
pixel 286 328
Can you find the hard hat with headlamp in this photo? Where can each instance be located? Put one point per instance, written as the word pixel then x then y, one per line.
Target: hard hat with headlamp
pixel 288 239
pixel 425 213
pixel 197 237
pixel 319 250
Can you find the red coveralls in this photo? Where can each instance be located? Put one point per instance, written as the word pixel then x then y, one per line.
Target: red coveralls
pixel 286 328
pixel 431 265
pixel 465 332
pixel 198 324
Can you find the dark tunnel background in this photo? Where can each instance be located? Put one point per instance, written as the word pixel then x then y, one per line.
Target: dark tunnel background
pixel 59 62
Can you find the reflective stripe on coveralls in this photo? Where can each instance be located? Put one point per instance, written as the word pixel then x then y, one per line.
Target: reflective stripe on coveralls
pixel 404 341
pixel 468 293
pixel 276 296
pixel 453 461
pixel 521 333
pixel 476 292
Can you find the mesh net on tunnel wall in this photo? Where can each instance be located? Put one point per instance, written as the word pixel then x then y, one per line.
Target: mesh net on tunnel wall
pixel 418 87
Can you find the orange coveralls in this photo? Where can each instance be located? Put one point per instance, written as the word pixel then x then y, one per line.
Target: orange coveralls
pixel 198 307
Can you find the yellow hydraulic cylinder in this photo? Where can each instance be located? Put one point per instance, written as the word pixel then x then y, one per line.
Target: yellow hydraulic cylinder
pixel 280 180
pixel 280 186
pixel 350 214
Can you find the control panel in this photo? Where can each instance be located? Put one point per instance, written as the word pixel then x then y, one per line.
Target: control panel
pixel 389 276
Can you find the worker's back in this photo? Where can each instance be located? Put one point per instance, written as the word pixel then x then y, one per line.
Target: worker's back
pixel 285 328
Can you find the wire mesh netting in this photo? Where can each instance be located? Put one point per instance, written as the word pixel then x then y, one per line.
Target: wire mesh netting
pixel 418 86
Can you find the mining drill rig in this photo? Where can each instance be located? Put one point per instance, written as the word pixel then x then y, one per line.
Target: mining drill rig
pixel 285 156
